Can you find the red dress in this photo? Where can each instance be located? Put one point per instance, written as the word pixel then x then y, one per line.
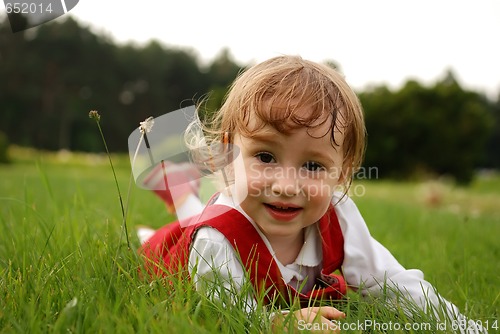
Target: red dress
pixel 167 252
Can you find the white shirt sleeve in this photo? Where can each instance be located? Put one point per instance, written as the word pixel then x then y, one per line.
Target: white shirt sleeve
pixel 369 266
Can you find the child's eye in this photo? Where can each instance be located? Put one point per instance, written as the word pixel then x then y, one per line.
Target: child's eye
pixel 313 166
pixel 265 157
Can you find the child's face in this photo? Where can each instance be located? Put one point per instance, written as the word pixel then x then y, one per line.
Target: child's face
pixel 290 179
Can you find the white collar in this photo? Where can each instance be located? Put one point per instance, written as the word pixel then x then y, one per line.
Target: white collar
pixel 310 254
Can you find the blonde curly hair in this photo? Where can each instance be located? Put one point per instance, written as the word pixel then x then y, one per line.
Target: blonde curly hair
pixel 272 91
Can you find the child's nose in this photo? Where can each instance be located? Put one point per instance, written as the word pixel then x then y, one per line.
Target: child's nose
pixel 285 185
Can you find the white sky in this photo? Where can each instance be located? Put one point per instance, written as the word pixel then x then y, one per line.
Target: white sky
pixel 374 41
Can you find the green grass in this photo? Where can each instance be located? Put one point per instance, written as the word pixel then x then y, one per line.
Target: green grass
pixel 454 242
pixel 65 265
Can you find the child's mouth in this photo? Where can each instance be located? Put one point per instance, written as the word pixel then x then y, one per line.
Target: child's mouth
pixel 282 211
pixel 282 208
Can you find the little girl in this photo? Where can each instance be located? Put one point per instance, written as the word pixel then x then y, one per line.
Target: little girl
pixel 296 134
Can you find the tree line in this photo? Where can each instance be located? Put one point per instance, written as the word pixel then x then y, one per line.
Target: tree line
pixel 53 75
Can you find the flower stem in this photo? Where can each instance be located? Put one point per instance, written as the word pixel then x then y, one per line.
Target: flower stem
pixel 94 115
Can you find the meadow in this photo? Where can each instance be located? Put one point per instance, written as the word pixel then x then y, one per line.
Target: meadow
pixel 66 265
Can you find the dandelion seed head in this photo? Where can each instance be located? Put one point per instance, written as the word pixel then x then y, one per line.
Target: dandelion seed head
pixel 94 114
pixel 147 125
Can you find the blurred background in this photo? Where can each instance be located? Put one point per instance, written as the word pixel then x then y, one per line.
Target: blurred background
pixel 427 72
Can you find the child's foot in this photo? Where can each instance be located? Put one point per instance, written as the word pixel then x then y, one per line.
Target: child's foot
pixel 174 183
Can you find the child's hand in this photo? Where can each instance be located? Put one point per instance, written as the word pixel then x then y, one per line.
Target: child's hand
pixel 318 319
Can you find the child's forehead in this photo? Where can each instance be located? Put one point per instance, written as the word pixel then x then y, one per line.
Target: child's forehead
pixel 259 129
pixel 287 116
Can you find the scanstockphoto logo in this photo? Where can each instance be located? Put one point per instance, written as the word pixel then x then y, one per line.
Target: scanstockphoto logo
pixel 35 12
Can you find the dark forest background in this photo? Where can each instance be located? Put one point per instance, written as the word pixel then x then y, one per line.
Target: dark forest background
pixel 53 75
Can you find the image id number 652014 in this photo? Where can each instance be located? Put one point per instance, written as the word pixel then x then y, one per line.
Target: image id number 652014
pixel 28 8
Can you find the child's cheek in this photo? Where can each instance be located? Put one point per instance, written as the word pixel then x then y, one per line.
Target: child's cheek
pixel 318 190
pixel 255 180
pixel 241 180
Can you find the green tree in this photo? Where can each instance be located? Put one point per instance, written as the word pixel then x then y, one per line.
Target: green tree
pixel 4 148
pixel 15 76
pixel 221 72
pixel 74 70
pixel 439 130
pixel 492 158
